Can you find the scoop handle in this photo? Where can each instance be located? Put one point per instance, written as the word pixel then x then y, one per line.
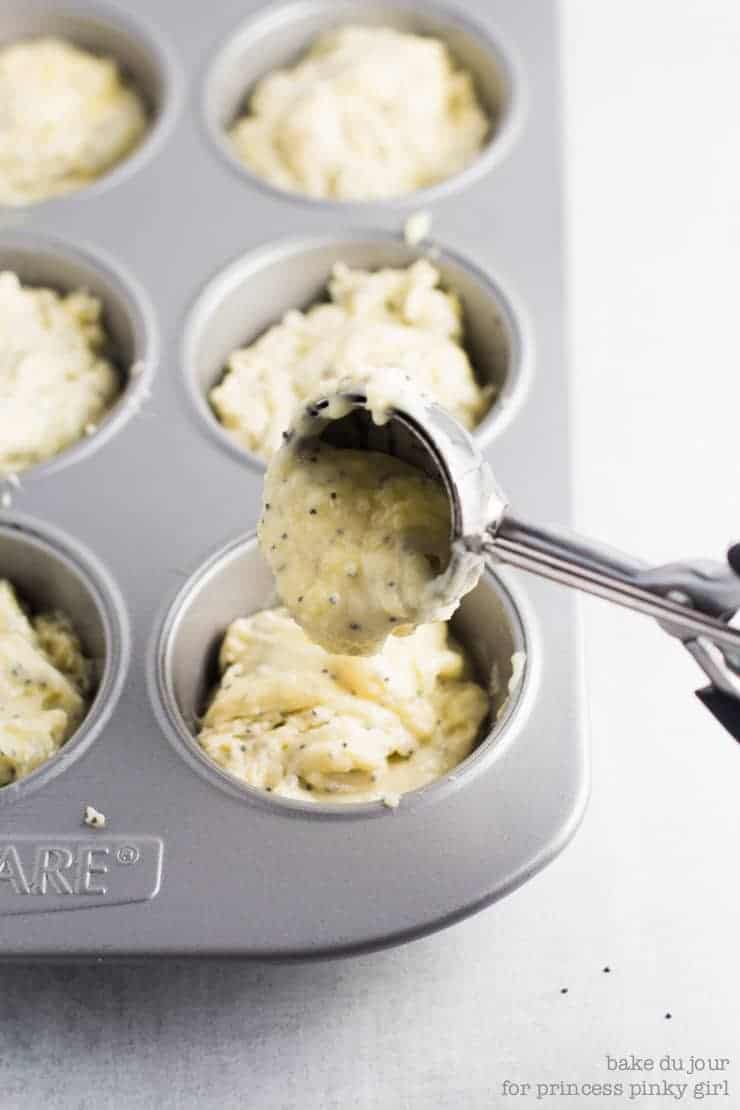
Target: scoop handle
pixel 688 599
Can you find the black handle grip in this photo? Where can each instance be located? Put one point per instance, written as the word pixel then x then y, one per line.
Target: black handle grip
pixel 725 708
pixel 733 557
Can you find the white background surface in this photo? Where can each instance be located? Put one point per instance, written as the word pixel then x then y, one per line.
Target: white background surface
pixel 650 885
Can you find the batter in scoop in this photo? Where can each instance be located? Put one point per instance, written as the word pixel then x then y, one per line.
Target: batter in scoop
pixel 359 543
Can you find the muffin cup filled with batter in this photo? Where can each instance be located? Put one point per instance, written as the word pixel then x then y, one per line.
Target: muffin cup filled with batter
pixel 89 96
pixel 63 653
pixel 233 593
pixel 239 305
pixel 337 63
pixel 109 349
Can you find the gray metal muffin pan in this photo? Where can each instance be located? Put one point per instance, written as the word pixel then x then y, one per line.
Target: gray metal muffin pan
pixel 142 532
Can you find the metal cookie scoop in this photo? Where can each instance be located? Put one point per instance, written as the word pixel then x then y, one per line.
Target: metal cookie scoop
pixel 692 600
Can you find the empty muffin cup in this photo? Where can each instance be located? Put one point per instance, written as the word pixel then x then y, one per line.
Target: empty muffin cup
pixel 278 38
pixel 236 582
pixel 51 572
pixel 255 291
pixel 128 319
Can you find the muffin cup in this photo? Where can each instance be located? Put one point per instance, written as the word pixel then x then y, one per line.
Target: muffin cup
pixel 40 260
pixel 279 37
pixel 237 582
pixel 51 571
pixel 144 59
pixel 255 291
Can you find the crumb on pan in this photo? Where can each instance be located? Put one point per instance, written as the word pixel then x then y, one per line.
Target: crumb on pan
pixel 417 228
pixel 94 818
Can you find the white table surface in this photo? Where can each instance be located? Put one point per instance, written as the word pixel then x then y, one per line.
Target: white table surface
pixel 650 885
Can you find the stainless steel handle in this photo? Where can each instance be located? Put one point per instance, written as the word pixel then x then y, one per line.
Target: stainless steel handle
pixel 667 594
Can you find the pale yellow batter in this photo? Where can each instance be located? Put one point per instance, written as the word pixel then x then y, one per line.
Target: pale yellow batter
pixel 357 541
pixel 45 683
pixel 368 112
pixel 292 719
pixel 56 379
pixel 397 318
pixel 66 117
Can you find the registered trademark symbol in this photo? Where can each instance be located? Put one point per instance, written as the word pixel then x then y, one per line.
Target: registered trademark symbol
pixel 127 854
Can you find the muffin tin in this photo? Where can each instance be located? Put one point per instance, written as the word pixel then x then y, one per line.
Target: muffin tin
pixel 141 533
